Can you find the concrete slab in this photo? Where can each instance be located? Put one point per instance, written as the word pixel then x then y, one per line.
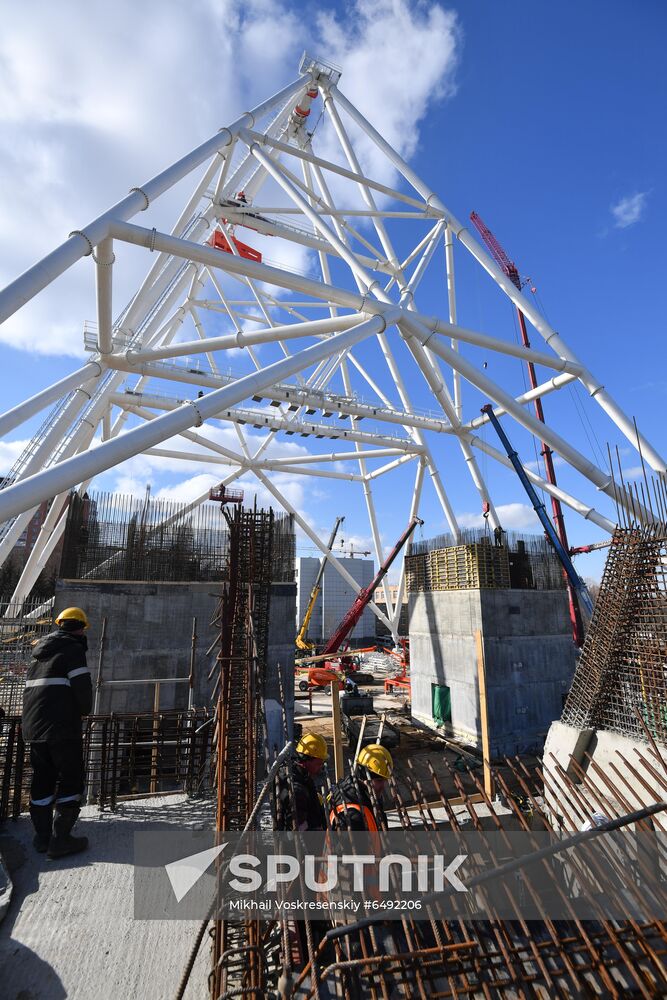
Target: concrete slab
pixel 70 930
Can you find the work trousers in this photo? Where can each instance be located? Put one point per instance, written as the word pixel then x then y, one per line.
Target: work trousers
pixel 57 772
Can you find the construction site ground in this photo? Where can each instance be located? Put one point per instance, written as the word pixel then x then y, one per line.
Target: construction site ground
pixel 70 929
pixel 419 748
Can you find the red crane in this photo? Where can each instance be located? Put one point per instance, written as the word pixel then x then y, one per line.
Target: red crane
pixel 512 272
pixel 337 638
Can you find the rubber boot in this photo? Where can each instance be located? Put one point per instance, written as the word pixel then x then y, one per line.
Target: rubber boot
pixel 42 820
pixel 62 843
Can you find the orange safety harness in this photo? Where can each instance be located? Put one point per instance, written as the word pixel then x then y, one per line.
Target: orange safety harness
pixel 369 818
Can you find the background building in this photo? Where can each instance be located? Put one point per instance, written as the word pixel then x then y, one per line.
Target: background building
pixel 381 630
pixel 335 597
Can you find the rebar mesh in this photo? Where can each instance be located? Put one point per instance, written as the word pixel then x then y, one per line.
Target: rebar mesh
pixel 110 536
pixel 21 626
pixel 125 756
pixel 621 678
pixel 242 620
pixel 475 560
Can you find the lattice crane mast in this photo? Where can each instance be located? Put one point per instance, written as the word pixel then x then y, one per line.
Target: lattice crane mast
pixel 510 269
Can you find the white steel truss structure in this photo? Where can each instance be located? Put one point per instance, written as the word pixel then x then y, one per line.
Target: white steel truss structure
pixel 317 385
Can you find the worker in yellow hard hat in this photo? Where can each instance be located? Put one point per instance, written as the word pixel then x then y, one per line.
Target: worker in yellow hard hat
pixel 299 804
pixel 356 802
pixel 58 692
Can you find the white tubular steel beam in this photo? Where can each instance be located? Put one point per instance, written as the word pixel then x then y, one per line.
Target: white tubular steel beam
pixel 316 540
pixel 546 331
pixel 296 394
pixel 526 397
pixel 439 326
pixel 368 497
pixel 42 453
pixel 149 291
pixel 542 432
pixel 189 456
pixel 434 379
pixel 397 377
pixel 79 442
pixel 263 420
pixel 28 493
pixel 298 470
pixel 584 510
pixel 48 538
pixel 290 331
pixel 335 168
pixel 288 186
pixel 424 261
pixel 254 214
pixel 366 281
pixel 241 266
pixel 457 333
pixel 343 456
pixel 451 302
pixel 354 164
pixel 19 414
pixel 104 260
pixel 80 243
pixel 390 465
pixel 414 511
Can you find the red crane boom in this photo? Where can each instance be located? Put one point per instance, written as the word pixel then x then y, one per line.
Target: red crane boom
pixel 512 272
pixel 497 252
pixel 335 641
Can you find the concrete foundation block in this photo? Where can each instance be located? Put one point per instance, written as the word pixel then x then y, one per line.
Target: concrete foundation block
pixel 566 743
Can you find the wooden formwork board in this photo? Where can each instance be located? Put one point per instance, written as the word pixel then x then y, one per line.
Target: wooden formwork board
pixel 459 567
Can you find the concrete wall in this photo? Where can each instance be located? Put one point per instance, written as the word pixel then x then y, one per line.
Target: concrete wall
pixel 335 598
pixel 529 654
pixel 149 635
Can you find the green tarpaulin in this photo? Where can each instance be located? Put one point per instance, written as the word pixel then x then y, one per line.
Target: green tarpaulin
pixel 442 703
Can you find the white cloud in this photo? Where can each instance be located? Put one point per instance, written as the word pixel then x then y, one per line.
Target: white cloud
pixel 189 489
pixel 629 210
pixel 87 113
pixel 396 58
pixel 512 516
pixel 9 452
pixel 290 486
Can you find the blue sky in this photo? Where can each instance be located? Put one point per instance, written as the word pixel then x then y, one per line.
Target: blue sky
pixel 546 120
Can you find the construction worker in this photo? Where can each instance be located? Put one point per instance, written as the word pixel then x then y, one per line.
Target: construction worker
pixel 58 692
pixel 308 813
pixel 355 802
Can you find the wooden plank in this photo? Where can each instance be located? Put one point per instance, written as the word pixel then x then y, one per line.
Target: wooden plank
pixel 337 733
pixel 483 713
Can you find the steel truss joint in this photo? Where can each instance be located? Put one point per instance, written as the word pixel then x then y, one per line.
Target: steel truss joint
pixel 143 193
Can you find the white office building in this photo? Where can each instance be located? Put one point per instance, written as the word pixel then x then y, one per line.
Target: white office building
pixel 335 597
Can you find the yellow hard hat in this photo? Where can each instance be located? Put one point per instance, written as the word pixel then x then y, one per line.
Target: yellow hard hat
pixel 313 745
pixel 376 759
pixel 73 615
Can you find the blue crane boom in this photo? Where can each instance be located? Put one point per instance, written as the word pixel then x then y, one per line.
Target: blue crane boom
pixel 539 508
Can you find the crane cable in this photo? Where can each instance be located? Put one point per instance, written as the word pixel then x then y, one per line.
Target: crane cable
pixel 575 395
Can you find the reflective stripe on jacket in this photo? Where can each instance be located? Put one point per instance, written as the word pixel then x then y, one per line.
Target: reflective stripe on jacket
pixel 58 689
